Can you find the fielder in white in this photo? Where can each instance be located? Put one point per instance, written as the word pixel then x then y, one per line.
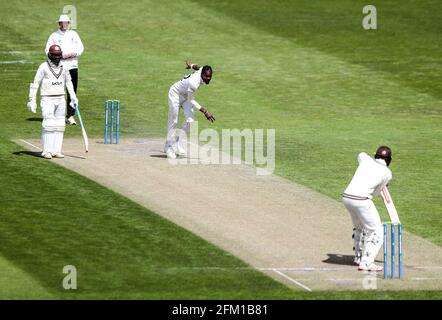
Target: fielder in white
pixel 182 94
pixel 371 176
pixel 52 78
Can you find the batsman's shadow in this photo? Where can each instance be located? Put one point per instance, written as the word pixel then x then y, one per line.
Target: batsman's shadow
pixel 35 119
pixel 28 153
pixel 38 154
pixel 339 259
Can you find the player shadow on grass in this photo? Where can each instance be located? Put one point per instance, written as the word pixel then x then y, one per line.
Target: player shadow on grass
pixel 35 119
pixel 28 153
pixel 38 154
pixel 339 259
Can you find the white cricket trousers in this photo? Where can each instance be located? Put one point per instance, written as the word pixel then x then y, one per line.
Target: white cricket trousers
pixel 175 102
pixel 368 225
pixel 53 110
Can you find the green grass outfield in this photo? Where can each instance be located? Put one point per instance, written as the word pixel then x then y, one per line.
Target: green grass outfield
pixel 307 69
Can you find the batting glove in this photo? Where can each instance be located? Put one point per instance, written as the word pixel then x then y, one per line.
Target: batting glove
pixel 74 103
pixel 32 106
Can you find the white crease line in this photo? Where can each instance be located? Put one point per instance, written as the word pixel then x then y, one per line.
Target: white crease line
pixel 11 52
pixel 347 280
pixel 28 143
pixel 293 280
pixel 17 62
pixel 381 278
pixel 307 269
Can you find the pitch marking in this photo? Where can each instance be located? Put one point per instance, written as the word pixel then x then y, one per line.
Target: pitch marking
pixel 292 280
pixel 28 143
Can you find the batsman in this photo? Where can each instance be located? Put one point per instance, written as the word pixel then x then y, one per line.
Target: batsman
pixel 371 176
pixel 52 78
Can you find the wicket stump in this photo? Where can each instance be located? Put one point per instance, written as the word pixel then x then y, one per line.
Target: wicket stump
pixel 113 128
pixel 393 250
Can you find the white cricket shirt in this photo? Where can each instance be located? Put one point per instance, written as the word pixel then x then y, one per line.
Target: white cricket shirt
pixel 51 79
pixel 69 42
pixel 370 177
pixel 187 86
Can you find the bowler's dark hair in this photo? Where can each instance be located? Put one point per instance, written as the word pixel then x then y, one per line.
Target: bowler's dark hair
pixel 206 68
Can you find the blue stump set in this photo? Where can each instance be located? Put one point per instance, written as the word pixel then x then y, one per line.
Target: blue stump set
pixel 393 250
pixel 112 127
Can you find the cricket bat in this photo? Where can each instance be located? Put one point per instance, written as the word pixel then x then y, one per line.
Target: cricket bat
pixel 391 209
pixel 83 130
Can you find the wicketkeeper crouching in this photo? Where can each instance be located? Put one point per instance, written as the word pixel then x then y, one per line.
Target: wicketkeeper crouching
pixel 52 78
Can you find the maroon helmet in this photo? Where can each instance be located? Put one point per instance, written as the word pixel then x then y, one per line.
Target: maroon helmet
pixel 55 54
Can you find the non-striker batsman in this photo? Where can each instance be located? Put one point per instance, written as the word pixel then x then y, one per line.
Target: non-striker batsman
pixel 52 78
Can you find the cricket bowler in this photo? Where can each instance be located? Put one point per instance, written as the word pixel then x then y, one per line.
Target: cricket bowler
pixel 182 95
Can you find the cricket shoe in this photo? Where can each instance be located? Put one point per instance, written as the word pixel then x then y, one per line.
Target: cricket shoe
pixel 47 155
pixel 167 147
pixel 370 267
pixel 71 121
pixel 180 150
pixel 357 261
pixel 58 155
pixel 170 153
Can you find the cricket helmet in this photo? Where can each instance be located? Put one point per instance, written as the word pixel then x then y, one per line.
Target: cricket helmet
pixel 383 152
pixel 55 54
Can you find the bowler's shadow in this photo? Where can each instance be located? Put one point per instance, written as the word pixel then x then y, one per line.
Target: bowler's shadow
pixel 339 259
pixel 159 156
pixel 28 153
pixel 35 119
